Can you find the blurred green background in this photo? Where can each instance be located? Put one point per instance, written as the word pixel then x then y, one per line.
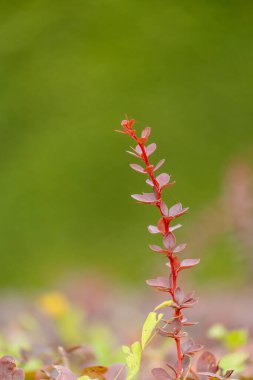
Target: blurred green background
pixel 69 71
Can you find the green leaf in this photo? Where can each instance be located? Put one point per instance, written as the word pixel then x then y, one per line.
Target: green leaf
pixel 151 322
pixel 133 359
pixel 164 304
pixel 234 361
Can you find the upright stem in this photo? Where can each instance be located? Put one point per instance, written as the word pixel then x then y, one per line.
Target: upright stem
pixel 177 312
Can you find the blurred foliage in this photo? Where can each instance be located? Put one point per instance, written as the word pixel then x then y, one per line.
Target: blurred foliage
pixel 41 338
pixel 236 360
pixel 232 339
pixel 69 71
pixel 68 328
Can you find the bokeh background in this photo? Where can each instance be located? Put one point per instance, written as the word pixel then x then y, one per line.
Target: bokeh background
pixel 69 71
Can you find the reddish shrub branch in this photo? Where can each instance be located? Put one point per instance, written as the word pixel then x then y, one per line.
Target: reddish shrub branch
pixel 180 301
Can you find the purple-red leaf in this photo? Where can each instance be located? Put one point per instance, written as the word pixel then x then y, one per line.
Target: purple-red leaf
pixel 8 369
pixel 161 374
pixel 179 295
pixel 145 197
pixel 176 326
pixel 190 347
pixel 186 346
pixel 163 179
pixel 207 363
pixel 137 168
pixel 169 241
pixel 161 283
pixel 189 263
pixel 160 163
pixel 150 149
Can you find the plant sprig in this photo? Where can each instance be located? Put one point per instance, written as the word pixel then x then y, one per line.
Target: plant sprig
pixel 174 326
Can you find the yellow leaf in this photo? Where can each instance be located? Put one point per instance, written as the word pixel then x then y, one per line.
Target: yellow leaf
pixel 164 304
pixel 151 322
pixel 133 359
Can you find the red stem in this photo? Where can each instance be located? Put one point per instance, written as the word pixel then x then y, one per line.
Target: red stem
pixel 174 273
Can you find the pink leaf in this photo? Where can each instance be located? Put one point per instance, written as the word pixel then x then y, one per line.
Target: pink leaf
pixel 150 149
pixel 173 228
pixel 146 132
pixel 156 248
pixel 189 263
pixel 177 210
pixel 163 179
pixel 169 241
pixel 164 208
pixel 160 163
pixel 174 210
pixel 145 197
pixel 149 182
pixel 132 153
pixel 180 248
pixel 138 150
pixel 153 229
pixel 137 168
